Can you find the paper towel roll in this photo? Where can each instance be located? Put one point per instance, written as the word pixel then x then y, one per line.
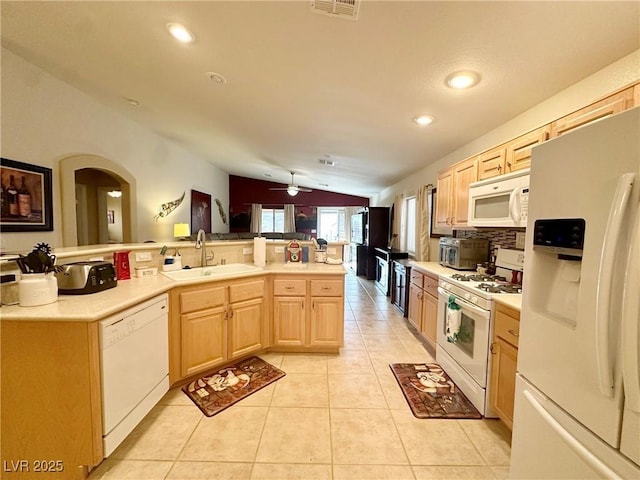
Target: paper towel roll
pixel 260 251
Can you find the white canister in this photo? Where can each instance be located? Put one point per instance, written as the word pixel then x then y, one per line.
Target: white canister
pixel 37 289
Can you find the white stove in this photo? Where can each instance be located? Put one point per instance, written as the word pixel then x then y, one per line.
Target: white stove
pixel 466 359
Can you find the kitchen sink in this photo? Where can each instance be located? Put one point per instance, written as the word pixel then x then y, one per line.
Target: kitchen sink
pixel 211 272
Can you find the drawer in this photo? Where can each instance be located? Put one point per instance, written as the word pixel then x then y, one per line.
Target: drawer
pixel 431 285
pixel 507 328
pixel 327 288
pixel 289 287
pixel 416 278
pixel 246 290
pixel 202 299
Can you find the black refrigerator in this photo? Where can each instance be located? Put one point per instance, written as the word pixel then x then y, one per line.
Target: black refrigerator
pixel 375 234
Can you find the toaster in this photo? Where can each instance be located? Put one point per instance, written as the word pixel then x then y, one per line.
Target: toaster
pixel 80 278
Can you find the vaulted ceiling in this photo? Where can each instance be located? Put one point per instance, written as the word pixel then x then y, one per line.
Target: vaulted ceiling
pixel 301 87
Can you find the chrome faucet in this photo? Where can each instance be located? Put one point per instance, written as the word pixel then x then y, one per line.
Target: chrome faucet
pixel 201 243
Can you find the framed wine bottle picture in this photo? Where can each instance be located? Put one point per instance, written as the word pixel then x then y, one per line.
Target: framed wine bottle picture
pixel 26 197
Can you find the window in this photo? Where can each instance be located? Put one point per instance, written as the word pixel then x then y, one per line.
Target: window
pixel 272 220
pixel 331 224
pixel 409 225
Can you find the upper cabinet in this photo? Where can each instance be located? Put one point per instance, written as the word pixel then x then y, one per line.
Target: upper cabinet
pixel 518 151
pixel 512 156
pixel 452 199
pixel 606 107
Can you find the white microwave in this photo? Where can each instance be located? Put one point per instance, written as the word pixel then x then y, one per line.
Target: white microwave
pixel 501 201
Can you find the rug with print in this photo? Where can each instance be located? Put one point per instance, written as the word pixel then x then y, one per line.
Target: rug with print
pixel 217 391
pixel 431 393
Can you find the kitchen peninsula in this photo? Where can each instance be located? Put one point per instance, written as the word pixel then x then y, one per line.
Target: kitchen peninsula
pixel 51 353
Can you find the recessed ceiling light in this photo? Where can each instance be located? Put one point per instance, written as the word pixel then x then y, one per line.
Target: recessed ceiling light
pixel 180 33
pixel 462 79
pixel 423 120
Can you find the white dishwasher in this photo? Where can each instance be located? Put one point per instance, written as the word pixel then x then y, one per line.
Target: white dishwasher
pixel 134 348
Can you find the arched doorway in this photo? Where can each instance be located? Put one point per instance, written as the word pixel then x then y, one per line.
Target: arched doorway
pixel 87 209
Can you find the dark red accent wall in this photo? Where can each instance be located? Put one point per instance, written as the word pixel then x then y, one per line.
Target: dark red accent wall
pixel 245 191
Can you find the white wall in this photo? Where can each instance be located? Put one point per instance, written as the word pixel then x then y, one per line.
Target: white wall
pixel 619 74
pixel 44 119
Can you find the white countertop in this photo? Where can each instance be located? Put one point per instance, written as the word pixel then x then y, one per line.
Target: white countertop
pixel 513 300
pixel 128 293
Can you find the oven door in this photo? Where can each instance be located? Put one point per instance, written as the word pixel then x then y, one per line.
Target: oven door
pixel 471 348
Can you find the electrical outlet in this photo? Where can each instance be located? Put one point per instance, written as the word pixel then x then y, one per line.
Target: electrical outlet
pixel 143 256
pixel 520 236
pixel 279 249
pixel 331 250
pixel 247 250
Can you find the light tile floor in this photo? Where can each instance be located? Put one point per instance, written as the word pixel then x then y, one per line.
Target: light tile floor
pixel 340 417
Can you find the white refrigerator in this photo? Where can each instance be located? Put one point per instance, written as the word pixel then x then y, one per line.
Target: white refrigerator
pixel 577 406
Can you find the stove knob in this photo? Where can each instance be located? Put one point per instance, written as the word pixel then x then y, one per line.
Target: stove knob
pixel 447 286
pixel 474 299
pixel 467 296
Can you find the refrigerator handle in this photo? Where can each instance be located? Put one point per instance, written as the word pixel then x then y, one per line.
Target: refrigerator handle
pixel 630 326
pixel 594 462
pixel 605 280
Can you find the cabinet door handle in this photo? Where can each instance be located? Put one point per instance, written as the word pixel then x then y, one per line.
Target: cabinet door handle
pixel 509 165
pixel 499 168
pixel 288 287
pixel 491 348
pixel 514 333
pixel 326 288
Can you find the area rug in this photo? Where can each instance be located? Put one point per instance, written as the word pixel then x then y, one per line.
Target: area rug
pixel 431 393
pixel 217 391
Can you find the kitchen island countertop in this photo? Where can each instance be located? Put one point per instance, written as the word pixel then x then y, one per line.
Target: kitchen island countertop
pixel 128 293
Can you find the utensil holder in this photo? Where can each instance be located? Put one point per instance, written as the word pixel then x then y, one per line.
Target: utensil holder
pixel 36 289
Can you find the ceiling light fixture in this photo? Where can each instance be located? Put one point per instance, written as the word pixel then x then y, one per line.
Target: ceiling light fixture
pixel 180 33
pixel 423 120
pixel 115 193
pixel 462 80
pixel 292 191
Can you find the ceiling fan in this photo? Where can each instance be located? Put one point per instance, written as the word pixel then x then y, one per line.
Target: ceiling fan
pixel 292 189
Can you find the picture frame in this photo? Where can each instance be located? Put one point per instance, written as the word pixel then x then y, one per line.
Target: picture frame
pixel 434 232
pixel 200 212
pixel 111 216
pixel 27 204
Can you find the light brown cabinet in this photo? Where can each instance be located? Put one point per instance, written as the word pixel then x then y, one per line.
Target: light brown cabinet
pixel 512 156
pixel 504 358
pixel 452 199
pixel 215 323
pixel 52 400
pixel 423 304
pixel 606 107
pixel 308 313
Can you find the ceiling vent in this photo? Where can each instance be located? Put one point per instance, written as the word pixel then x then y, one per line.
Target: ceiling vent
pixel 328 163
pixel 336 8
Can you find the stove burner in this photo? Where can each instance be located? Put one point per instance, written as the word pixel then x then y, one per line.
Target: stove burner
pixel 478 277
pixel 500 287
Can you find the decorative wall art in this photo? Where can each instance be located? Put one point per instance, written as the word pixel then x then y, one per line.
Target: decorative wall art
pixel 167 208
pixel 223 216
pixel 111 216
pixel 200 212
pixel 26 201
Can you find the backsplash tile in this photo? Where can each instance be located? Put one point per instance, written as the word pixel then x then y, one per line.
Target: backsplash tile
pixel 505 237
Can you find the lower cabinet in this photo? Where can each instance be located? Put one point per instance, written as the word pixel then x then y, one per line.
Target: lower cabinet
pixel 308 313
pixel 423 304
pixel 504 357
pixel 52 401
pixel 215 323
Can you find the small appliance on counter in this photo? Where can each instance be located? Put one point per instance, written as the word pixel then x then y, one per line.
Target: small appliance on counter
pixel 121 262
pixel 80 278
pixel 463 253
pixel 294 251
